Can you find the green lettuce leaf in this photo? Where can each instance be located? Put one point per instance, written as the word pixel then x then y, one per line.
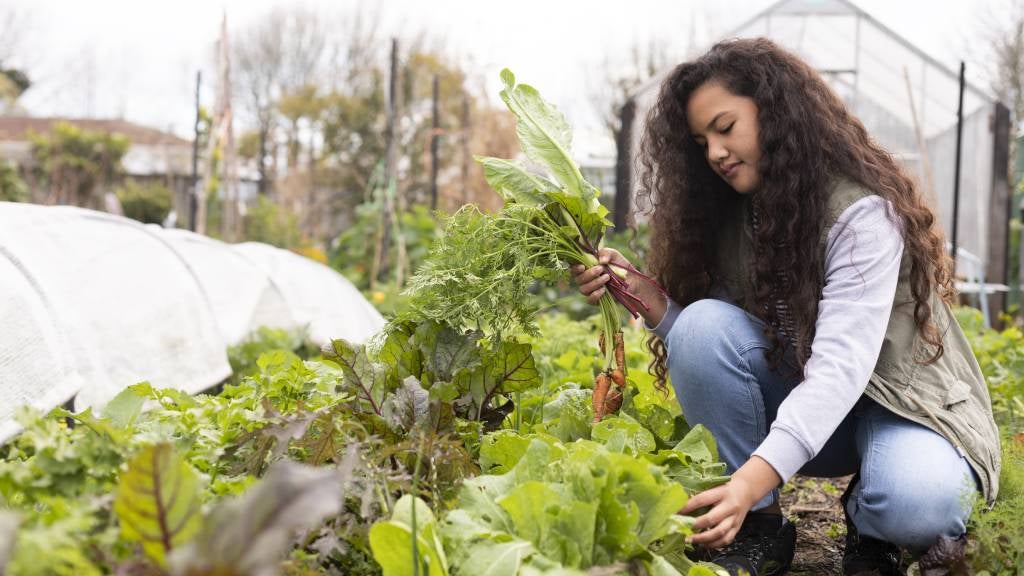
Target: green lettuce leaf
pixel 623 434
pixel 391 541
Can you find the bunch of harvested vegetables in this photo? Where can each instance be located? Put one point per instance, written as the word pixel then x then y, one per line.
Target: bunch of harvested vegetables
pixel 480 271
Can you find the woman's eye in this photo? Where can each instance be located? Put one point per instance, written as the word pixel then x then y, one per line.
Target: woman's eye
pixel 728 128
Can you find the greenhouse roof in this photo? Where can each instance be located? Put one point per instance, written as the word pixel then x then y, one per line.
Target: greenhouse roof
pixel 872 67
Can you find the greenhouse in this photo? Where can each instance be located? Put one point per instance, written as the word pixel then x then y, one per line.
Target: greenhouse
pixel 908 101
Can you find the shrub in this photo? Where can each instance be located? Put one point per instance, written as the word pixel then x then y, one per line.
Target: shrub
pixel 148 203
pixel 12 187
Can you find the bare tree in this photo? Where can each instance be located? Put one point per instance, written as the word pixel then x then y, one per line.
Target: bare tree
pixel 278 55
pixel 620 76
pixel 14 80
pixel 356 46
pixel 1000 53
pixel 612 94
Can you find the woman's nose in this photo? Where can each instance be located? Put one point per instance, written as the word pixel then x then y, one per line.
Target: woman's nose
pixel 717 152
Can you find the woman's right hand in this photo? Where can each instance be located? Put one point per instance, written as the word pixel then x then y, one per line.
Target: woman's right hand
pixel 591 280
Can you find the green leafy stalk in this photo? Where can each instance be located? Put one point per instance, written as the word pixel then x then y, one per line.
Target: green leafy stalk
pixel 480 272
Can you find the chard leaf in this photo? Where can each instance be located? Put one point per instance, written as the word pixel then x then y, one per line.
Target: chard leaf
pixel 446 350
pixel 408 407
pixel 249 535
pixel 587 212
pixel 508 368
pixel 157 501
pixel 514 183
pixel 319 442
pixel 546 138
pixel 367 378
pixel 400 353
pixel 544 133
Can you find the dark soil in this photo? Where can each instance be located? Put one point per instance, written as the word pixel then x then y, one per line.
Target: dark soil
pixel 813 505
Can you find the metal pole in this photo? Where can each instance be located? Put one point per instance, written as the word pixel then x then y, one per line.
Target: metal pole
pixel 435 138
pixel 390 164
pixel 956 170
pixel 467 135
pixel 623 165
pixel 193 197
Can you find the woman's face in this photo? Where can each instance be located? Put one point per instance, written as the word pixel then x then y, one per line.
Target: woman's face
pixel 726 126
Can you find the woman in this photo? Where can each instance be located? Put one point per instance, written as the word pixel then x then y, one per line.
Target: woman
pixel 808 322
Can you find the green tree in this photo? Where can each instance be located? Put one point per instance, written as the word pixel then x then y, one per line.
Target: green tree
pixel 12 187
pixel 146 202
pixel 272 223
pixel 76 166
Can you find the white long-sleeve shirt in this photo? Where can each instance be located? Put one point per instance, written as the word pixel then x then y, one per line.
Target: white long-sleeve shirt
pixel 862 265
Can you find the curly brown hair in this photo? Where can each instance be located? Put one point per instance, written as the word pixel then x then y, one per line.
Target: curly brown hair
pixel 808 138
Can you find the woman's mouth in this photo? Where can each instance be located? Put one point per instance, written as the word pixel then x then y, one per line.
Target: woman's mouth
pixel 729 170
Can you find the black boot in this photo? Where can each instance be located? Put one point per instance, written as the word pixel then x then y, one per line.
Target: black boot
pixel 864 555
pixel 764 546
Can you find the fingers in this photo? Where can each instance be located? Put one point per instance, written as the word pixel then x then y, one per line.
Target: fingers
pixel 588 288
pixel 589 274
pixel 702 499
pixel 718 537
pixel 718 527
pixel 611 256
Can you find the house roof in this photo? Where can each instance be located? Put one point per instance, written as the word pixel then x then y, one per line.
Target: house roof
pixel 17 128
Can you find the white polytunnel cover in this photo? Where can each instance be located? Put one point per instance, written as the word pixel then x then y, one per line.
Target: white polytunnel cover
pixel 318 297
pixel 243 297
pixel 91 303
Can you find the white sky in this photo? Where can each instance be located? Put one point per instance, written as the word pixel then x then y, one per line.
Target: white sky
pixel 137 58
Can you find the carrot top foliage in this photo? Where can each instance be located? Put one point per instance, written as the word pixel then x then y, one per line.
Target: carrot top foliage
pixel 481 270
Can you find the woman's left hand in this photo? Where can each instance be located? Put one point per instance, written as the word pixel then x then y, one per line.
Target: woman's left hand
pixel 729 503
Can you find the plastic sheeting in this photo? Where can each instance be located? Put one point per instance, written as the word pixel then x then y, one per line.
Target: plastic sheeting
pixel 91 303
pixel 243 297
pixel 319 298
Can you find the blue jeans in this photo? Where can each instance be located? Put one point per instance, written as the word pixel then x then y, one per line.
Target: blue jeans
pixel 913 486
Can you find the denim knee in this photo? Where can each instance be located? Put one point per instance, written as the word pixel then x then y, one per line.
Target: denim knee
pixel 914 514
pixel 703 326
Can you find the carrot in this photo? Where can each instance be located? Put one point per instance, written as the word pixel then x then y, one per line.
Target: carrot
pixel 619 378
pixel 601 385
pixel 620 356
pixel 613 401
